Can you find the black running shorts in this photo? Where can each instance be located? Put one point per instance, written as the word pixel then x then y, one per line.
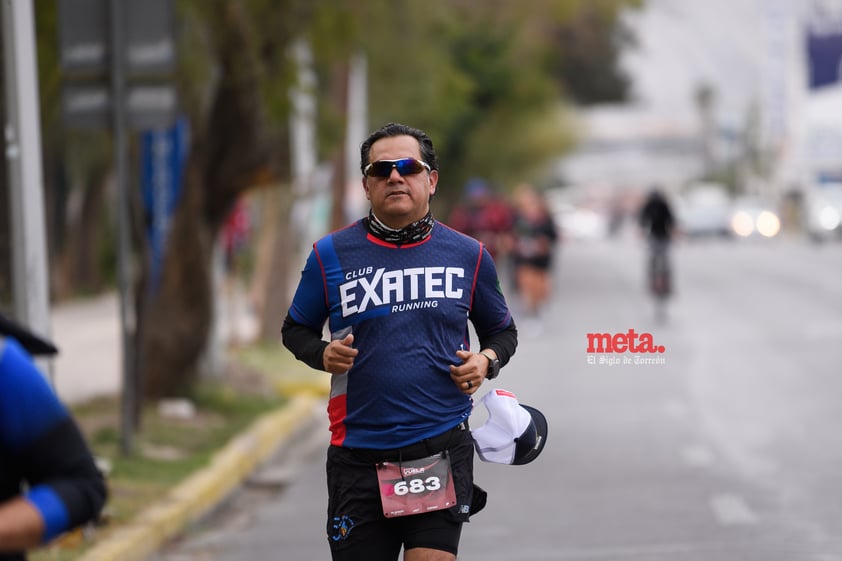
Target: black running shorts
pixel 356 526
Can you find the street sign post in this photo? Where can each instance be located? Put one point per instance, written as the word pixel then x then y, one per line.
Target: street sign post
pixel 117 56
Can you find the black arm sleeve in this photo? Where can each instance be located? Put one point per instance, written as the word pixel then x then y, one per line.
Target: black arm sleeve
pixel 305 343
pixel 61 459
pixel 308 346
pixel 503 343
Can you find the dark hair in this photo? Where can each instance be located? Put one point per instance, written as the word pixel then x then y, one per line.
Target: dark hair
pixel 428 152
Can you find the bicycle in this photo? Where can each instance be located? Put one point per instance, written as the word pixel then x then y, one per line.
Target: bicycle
pixel 659 276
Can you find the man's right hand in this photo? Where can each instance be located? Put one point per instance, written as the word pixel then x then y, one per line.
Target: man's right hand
pixel 339 355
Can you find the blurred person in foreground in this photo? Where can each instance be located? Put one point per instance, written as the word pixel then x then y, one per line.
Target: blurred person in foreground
pixel 535 236
pixel 483 216
pixel 397 289
pixel 49 482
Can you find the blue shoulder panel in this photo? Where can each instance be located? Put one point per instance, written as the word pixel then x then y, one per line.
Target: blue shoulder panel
pixel 28 405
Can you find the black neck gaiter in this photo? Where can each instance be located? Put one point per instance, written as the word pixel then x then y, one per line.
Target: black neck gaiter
pixel 412 233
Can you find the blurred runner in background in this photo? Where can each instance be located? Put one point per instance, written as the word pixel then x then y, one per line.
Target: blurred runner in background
pixel 534 239
pixel 484 217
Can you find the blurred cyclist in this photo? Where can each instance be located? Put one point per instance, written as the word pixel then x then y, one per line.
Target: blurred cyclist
pixel 658 223
pixel 656 218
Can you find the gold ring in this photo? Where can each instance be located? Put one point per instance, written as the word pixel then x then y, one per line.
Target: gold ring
pixel 470 384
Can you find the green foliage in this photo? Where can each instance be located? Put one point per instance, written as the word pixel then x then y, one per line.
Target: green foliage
pixel 489 80
pixel 205 29
pixel 477 76
pixel 476 79
pixel 586 49
pixel 485 78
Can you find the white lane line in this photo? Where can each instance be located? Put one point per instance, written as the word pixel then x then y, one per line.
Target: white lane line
pixel 697 456
pixel 731 510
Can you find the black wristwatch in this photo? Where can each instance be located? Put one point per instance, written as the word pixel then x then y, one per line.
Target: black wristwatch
pixel 493 366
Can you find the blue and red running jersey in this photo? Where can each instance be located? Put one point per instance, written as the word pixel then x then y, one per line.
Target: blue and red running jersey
pixel 408 307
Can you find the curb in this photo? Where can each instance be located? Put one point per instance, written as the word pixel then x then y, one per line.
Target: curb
pixel 201 492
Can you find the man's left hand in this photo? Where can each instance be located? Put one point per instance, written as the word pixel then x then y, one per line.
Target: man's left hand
pixel 469 375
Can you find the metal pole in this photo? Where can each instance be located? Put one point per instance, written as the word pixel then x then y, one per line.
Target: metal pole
pixel 127 316
pixel 23 154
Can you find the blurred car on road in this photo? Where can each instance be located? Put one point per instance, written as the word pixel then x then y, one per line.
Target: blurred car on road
pixel 578 223
pixel 823 212
pixel 752 216
pixel 705 211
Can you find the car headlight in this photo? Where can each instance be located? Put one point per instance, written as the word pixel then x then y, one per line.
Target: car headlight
pixel 829 218
pixel 768 224
pixel 742 223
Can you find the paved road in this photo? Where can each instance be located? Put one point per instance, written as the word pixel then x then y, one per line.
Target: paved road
pixel 728 450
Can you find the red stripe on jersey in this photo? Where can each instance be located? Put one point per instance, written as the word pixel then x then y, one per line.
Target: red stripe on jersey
pixel 476 276
pixel 370 237
pixel 337 411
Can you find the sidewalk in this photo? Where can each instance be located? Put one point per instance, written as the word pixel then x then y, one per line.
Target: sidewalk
pixel 89 337
pixel 89 364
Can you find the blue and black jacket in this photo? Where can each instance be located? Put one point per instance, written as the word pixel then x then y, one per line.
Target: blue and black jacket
pixel 43 455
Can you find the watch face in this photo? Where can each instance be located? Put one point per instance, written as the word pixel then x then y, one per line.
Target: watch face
pixel 495 369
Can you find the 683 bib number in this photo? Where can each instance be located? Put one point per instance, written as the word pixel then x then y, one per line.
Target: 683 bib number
pixel 401 488
pixel 416 486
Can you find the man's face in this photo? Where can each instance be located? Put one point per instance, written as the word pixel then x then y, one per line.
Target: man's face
pixel 399 200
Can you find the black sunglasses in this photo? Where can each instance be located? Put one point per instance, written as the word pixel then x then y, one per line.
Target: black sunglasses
pixel 405 166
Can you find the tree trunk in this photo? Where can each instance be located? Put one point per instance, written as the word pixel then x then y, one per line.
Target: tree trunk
pixel 227 158
pixel 175 320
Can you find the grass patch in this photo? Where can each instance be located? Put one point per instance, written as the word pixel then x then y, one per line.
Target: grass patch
pixel 167 450
pixel 286 374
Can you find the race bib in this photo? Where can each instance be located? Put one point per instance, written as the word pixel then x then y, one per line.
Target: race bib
pixel 417 486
